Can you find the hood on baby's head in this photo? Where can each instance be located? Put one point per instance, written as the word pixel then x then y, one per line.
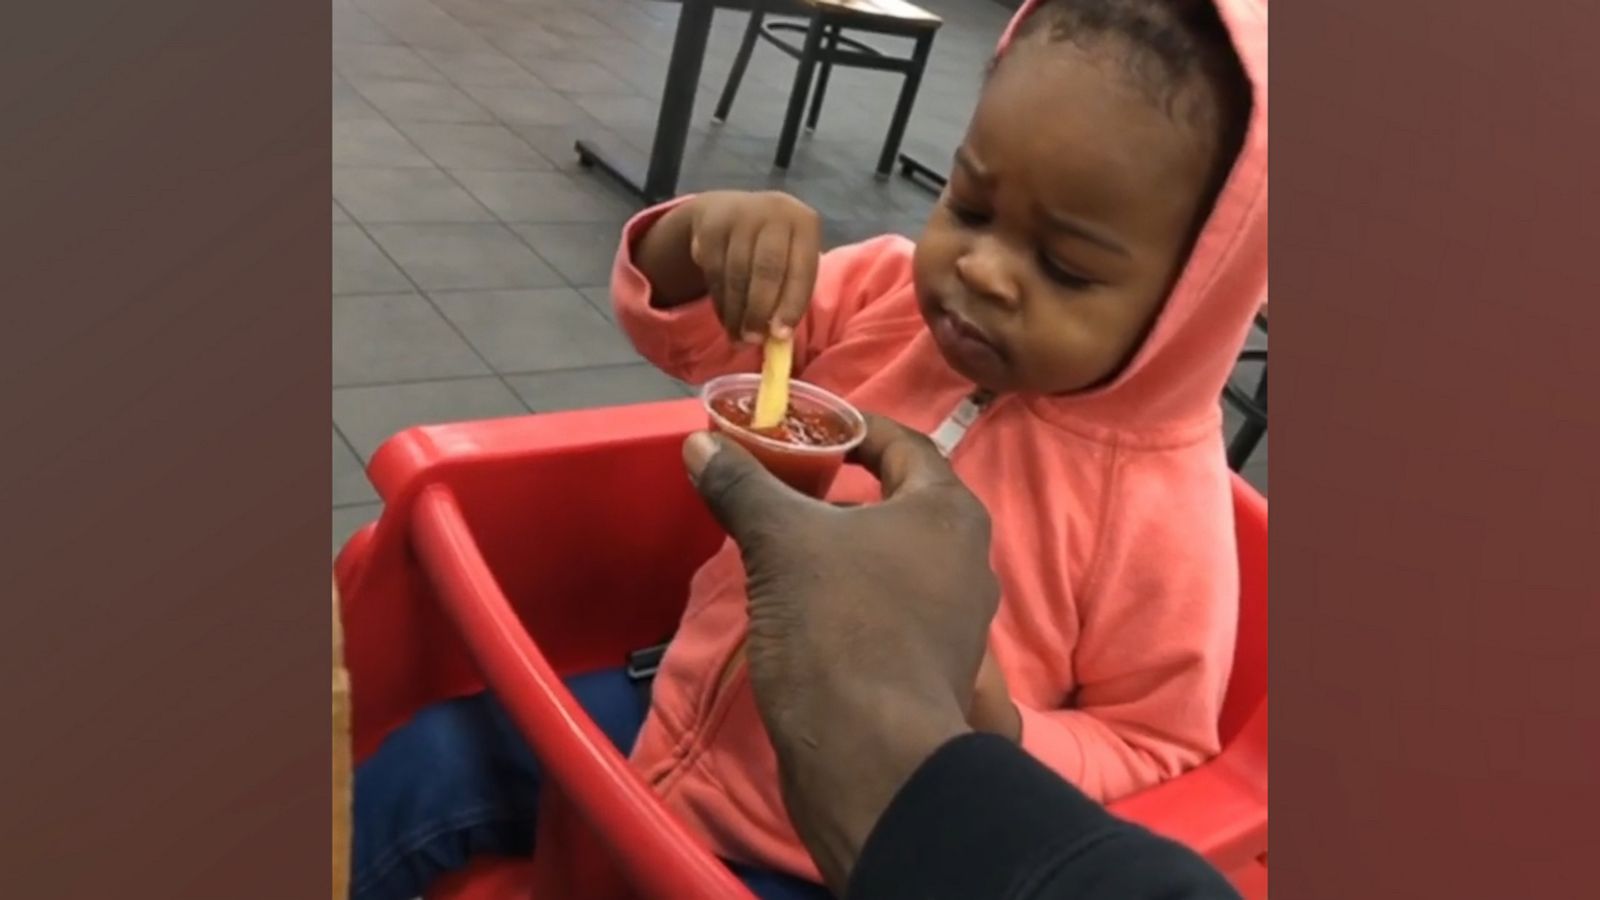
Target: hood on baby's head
pixel 1177 375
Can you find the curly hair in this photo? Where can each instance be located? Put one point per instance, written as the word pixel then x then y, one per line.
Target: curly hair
pixel 1178 52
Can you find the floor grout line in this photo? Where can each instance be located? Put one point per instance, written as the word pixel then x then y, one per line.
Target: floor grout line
pixel 377 502
pixel 407 382
pixel 448 173
pixel 456 329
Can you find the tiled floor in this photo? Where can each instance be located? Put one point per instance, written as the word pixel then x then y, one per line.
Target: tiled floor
pixel 470 253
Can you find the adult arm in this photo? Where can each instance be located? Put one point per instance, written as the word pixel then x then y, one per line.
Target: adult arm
pixel 982 819
pixel 875 755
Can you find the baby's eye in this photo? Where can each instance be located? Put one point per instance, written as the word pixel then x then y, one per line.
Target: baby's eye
pixel 1062 275
pixel 966 215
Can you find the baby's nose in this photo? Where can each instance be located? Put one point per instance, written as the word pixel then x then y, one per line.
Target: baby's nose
pixel 985 272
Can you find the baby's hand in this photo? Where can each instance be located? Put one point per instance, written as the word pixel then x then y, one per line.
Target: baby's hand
pixel 759 253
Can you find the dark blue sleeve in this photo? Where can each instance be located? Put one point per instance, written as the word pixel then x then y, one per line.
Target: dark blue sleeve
pixel 983 820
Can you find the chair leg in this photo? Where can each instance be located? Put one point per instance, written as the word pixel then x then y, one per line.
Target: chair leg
pixel 902 108
pixel 797 96
pixel 830 44
pixel 740 62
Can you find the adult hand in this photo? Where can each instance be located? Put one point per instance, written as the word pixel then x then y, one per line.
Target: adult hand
pixel 867 625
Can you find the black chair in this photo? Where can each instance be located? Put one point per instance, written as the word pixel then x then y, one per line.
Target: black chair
pixel 1252 406
pixel 824 43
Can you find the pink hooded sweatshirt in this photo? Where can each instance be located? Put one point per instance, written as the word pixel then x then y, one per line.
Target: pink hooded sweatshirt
pixel 1113 537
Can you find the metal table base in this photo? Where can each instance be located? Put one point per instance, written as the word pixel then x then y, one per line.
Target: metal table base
pixel 660 181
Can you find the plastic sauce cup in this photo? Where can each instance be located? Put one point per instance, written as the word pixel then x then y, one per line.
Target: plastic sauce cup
pixel 808 467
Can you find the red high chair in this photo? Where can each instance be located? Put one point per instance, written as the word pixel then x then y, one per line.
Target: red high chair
pixel 513 552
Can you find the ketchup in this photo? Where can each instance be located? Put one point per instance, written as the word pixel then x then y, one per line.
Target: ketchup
pixel 805 427
pixel 797 450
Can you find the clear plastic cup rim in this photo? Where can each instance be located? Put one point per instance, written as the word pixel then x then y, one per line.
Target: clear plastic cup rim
pixel 720 385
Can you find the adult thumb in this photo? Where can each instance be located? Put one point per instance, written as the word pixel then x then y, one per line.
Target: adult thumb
pixel 742 495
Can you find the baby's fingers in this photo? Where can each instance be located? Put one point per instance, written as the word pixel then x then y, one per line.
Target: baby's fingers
pixel 800 279
pixel 726 263
pixel 769 262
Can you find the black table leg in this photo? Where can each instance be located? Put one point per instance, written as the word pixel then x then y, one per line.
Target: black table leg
pixel 902 107
pixel 677 109
pixel 821 90
pixel 798 94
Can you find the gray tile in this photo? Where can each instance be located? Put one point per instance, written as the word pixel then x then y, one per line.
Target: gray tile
pixel 1255 472
pixel 491 17
pixel 577 75
pixel 1246 376
pixel 339 217
pixel 1232 419
pixel 543 197
pixel 350 484
pixel 581 252
pixel 368 416
pixel 600 299
pixel 424 25
pixel 404 195
pixel 347 520
pixel 464 257
pixel 522 106
pixel 720 151
pixel 555 143
pixel 359 267
pixel 588 388
pixel 619 110
pixel 570 22
pixel 536 331
pixel 533 42
pixel 373 142
pixel 646 75
pixel 418 101
pixel 619 54
pixel 349 105
pixel 379 61
pixel 1257 339
pixel 474 147
pixel 481 68
pixel 351 26
pixel 396 337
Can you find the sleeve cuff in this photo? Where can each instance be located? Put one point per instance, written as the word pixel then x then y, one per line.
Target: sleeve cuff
pixel 658 334
pixel 973 817
pixel 631 293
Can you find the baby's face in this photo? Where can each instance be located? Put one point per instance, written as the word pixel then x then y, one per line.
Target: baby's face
pixel 1069 213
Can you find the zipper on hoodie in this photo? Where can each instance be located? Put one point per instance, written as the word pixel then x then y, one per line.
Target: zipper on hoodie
pixel 947 437
pixel 953 430
pixel 715 710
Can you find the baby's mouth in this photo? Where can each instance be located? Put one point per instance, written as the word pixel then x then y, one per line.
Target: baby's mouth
pixel 967 347
pixel 972 332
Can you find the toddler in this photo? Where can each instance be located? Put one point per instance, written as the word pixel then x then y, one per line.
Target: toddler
pixel 1063 328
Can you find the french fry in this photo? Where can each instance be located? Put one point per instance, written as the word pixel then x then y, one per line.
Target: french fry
pixel 772 398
